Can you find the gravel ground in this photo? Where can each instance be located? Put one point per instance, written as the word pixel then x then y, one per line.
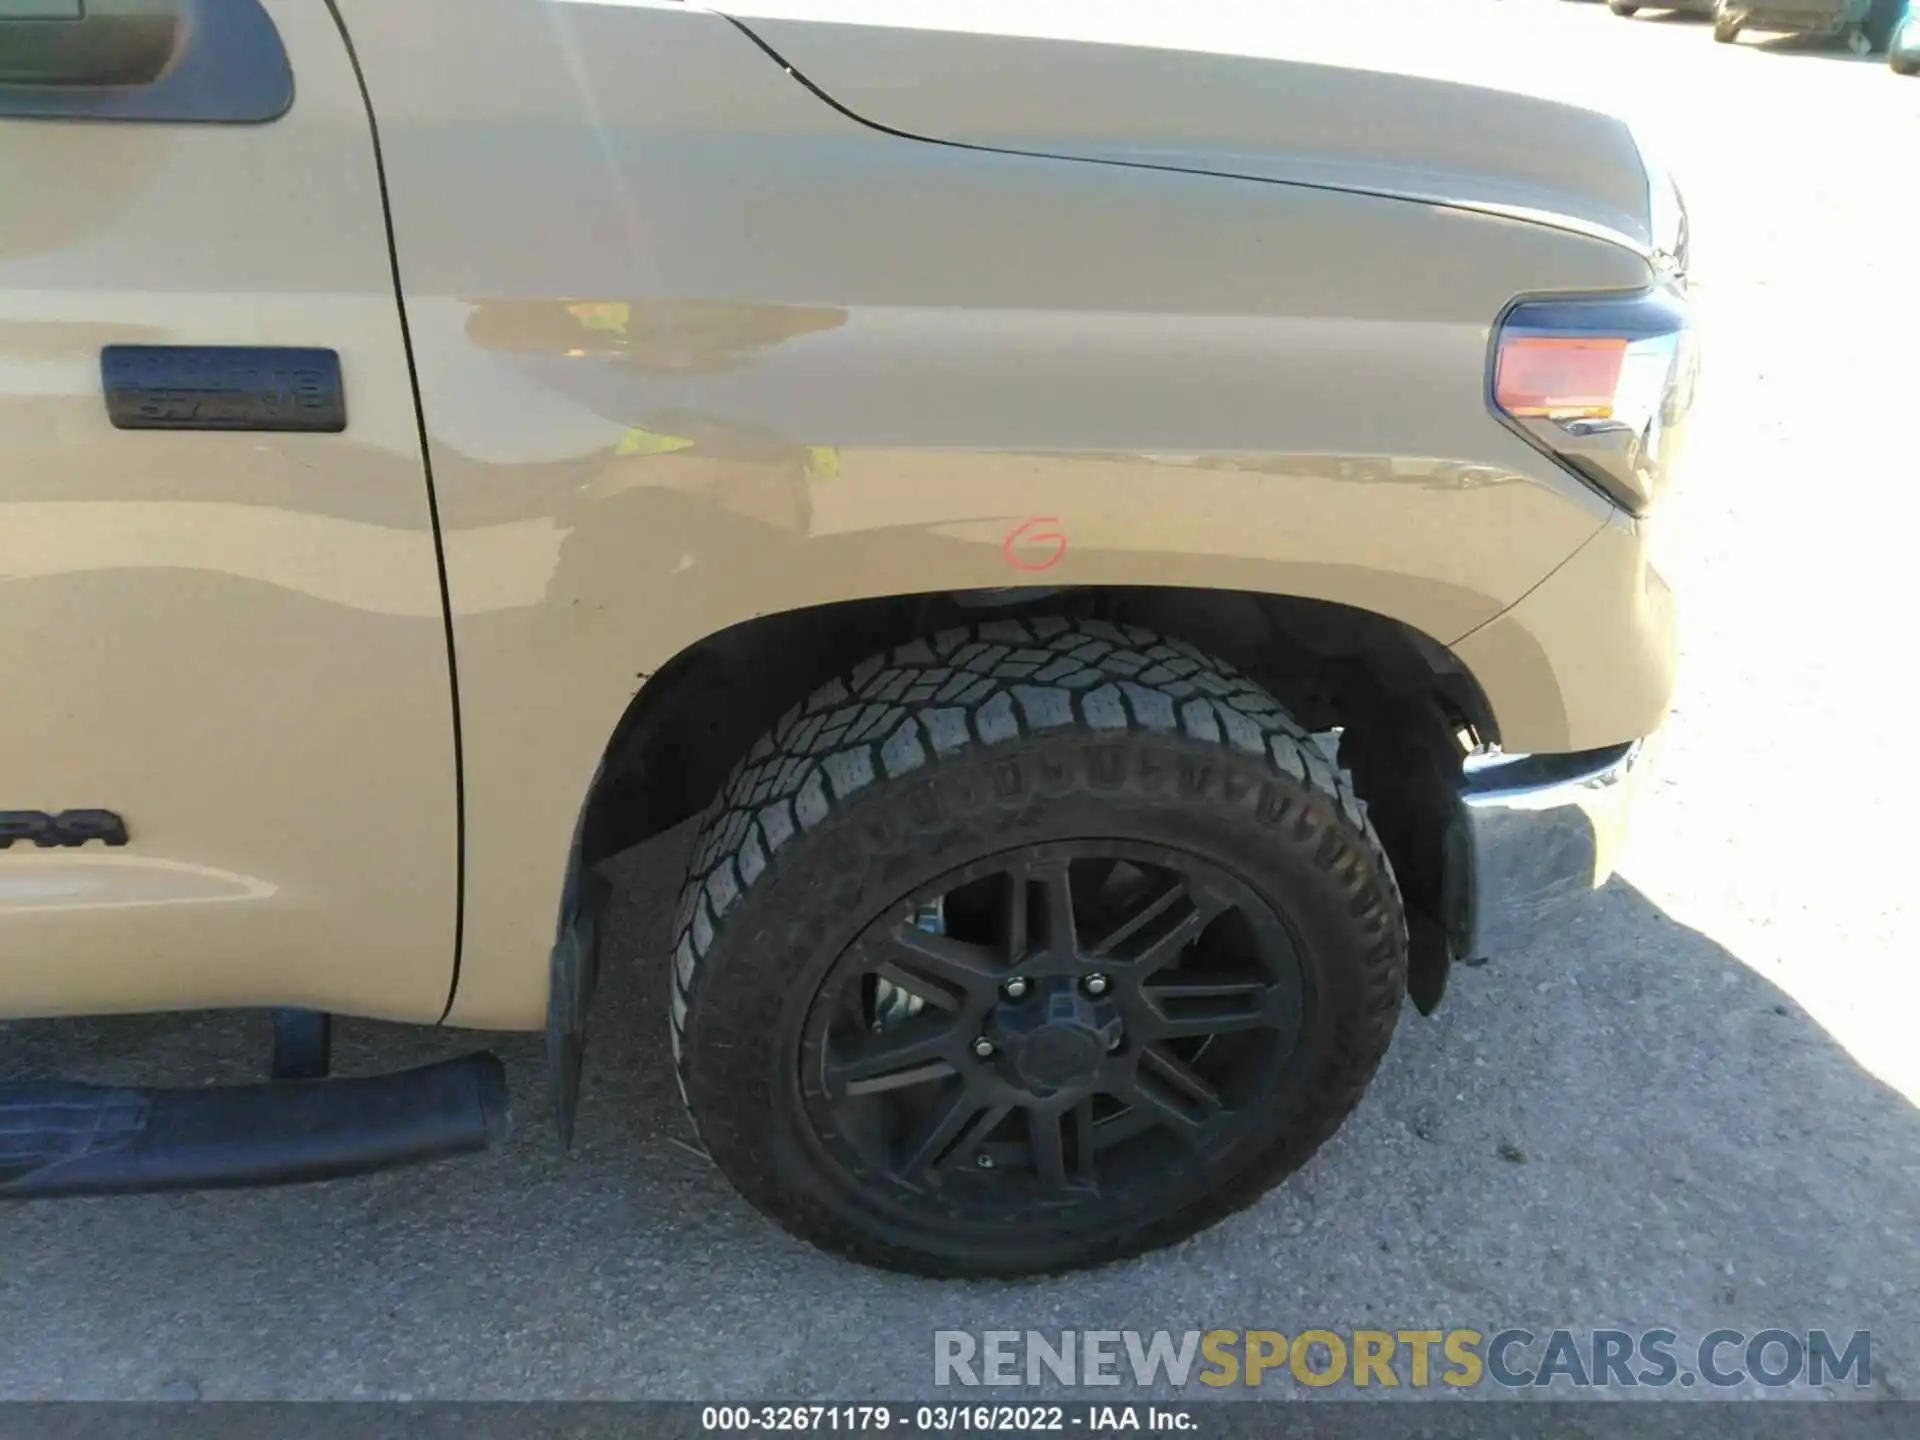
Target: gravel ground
pixel 1693 1109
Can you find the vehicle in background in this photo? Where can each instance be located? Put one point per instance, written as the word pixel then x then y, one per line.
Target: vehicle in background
pixel 1903 46
pixel 1865 25
pixel 1678 7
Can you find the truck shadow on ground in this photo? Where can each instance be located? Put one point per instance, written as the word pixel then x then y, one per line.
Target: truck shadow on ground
pixel 1625 1126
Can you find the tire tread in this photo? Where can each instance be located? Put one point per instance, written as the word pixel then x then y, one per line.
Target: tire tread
pixel 929 703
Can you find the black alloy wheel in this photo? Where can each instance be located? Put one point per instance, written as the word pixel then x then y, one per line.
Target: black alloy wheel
pixel 1051 1028
pixel 1027 947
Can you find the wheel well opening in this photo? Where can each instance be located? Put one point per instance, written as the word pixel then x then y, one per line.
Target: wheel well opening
pixel 1399 698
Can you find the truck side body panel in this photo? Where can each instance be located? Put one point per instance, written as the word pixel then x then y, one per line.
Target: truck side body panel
pixel 695 347
pixel 233 641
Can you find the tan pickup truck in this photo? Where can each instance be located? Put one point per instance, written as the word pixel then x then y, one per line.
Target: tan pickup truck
pixel 1133 562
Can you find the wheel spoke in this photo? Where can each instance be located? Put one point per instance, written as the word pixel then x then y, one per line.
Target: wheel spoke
pixel 943 1125
pixel 1160 1111
pixel 1209 990
pixel 1083 1147
pixel 1118 1129
pixel 952 1134
pixel 1166 948
pixel 1177 1073
pixel 1018 918
pixel 912 1054
pixel 940 970
pixel 1147 1095
pixel 1147 914
pixel 975 1134
pixel 1055 877
pixel 1047 1132
pixel 1189 1009
pixel 1049 1149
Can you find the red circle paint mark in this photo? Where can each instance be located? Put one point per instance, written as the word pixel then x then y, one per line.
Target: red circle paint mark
pixel 1029 533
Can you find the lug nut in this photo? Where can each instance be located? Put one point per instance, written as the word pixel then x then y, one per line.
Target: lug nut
pixel 1016 987
pixel 1096 984
pixel 983 1047
pixel 984 1161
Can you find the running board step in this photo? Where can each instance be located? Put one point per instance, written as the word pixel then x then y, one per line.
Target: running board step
pixel 66 1139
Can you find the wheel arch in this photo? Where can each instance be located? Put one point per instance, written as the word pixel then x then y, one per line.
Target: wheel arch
pixel 1333 665
pixel 1402 700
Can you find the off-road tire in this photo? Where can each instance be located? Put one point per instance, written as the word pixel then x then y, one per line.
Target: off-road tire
pixel 976 742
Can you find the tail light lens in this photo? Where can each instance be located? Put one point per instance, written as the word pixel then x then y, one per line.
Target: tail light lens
pixel 1603 385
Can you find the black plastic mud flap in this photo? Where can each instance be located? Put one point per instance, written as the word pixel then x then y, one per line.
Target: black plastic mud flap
pixel 60 1139
pixel 575 973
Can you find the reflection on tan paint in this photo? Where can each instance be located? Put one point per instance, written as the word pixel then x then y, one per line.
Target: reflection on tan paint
pixel 654 284
pixel 119 881
pixel 512 565
pixel 119 162
pixel 693 347
pixel 1574 679
pixel 343 562
pixel 644 334
pixel 24 343
pixel 234 641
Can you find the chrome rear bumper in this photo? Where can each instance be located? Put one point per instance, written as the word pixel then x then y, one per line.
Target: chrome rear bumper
pixel 1535 834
